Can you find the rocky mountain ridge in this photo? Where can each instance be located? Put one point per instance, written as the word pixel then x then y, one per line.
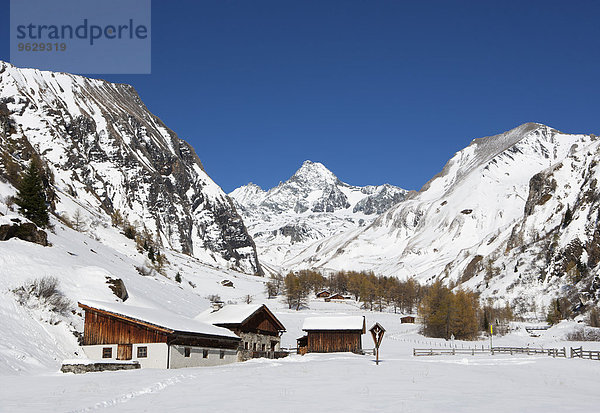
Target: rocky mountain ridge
pixel 310 205
pixel 104 151
pixel 493 220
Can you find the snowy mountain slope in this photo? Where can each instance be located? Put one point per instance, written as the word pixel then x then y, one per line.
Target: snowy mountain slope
pixel 103 147
pixel 467 211
pixel 36 339
pixel 553 249
pixel 313 204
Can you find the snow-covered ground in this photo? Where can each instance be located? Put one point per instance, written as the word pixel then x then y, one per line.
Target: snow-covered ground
pixel 35 341
pixel 331 382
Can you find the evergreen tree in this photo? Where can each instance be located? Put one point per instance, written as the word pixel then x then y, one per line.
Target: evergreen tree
pixel 568 217
pixel 31 197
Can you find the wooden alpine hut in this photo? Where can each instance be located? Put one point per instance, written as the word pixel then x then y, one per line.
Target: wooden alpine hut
pixel 259 329
pixel 332 334
pixel 407 319
pixel 323 294
pixel 155 338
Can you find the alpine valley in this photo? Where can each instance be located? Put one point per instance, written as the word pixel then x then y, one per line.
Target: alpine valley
pixel 514 217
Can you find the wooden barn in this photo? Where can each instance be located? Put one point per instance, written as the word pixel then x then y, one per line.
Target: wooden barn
pixel 407 319
pixel 337 297
pixel 323 294
pixel 257 326
pixel 332 334
pixel 155 338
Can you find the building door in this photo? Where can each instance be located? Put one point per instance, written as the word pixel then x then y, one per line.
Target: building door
pixel 124 351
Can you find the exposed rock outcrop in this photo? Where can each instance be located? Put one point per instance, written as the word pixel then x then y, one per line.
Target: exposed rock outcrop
pixel 22 229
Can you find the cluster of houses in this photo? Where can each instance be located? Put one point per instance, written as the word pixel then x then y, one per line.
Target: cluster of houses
pixel 159 339
pixel 329 296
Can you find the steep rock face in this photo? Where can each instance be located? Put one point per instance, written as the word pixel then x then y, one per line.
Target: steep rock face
pixel 553 250
pixel 311 205
pixel 475 222
pixel 103 148
pixel 16 227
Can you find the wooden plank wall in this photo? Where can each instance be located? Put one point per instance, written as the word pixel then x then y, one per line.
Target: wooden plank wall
pixel 103 329
pixel 261 322
pixel 334 341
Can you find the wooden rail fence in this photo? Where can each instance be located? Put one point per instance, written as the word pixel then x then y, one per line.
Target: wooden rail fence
pixel 449 351
pixel 554 352
pixel 585 354
pixel 578 352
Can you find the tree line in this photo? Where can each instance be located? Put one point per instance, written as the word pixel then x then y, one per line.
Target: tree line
pixel 376 293
pixel 444 312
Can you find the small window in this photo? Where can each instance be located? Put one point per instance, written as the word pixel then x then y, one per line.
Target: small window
pixel 246 346
pixel 187 352
pixel 263 347
pixel 222 354
pixel 254 346
pixel 107 353
pixel 205 354
pixel 142 352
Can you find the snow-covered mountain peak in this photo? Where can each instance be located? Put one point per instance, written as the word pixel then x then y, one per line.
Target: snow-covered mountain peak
pixel 315 175
pixel 541 145
pixel 312 204
pixel 249 195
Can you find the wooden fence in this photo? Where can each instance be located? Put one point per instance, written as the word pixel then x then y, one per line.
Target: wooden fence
pixel 585 354
pixel 554 352
pixel 449 351
pixel 578 352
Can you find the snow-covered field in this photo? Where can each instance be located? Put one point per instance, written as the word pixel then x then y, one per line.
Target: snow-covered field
pixel 330 382
pixel 34 342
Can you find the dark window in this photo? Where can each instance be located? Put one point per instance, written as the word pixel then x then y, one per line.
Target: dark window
pixel 187 352
pixel 205 354
pixel 142 352
pixel 263 347
pixel 246 346
pixel 107 353
pixel 221 354
pixel 254 346
pixel 273 344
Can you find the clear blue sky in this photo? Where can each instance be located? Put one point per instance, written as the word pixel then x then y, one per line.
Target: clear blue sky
pixel 379 91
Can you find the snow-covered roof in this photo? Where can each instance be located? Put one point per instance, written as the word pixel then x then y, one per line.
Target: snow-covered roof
pixel 334 323
pixel 160 318
pixel 230 314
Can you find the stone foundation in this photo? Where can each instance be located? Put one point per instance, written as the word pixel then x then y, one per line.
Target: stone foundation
pixel 91 367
